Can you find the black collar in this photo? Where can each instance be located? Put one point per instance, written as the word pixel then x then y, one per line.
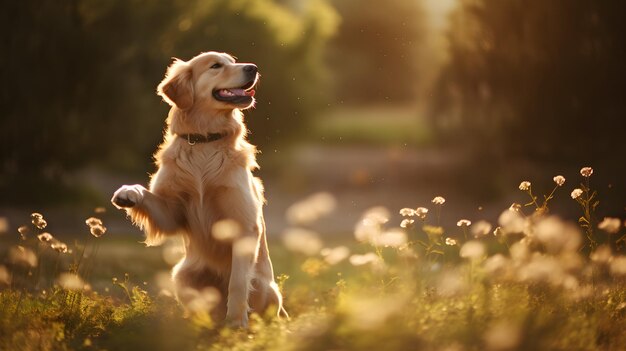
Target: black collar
pixel 193 139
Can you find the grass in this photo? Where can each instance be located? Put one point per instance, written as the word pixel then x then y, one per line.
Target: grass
pixel 529 282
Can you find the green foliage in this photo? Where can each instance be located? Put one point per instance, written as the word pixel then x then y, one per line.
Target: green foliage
pixel 535 78
pixel 81 76
pixel 375 53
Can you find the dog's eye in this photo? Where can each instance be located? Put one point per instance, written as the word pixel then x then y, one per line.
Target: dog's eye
pixel 216 66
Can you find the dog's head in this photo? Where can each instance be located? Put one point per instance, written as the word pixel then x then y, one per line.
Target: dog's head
pixel 210 80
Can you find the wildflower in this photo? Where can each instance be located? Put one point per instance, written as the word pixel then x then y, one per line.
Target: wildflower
pixel 23 230
pixel 618 266
pixel 502 336
pixel 38 221
pixel 496 264
pixel 463 223
pixel 524 186
pixel 394 237
pixel 245 246
pixel 311 208
pixel 201 301
pixel 22 256
pixel 421 212
pixel 472 249
pixel 71 281
pixel 377 214
pixel 4 225
pixel 576 193
pixel 5 276
pixel 557 235
pixel 173 251
pixel 451 242
pixel 511 221
pixel 370 224
pixel 438 200
pixel 335 255
pixel 498 232
pixel 407 212
pixel 226 230
pixel 97 230
pixel 360 260
pixel 407 223
pixel 602 255
pixel 586 172
pixel 93 221
pixel 519 251
pixel 59 246
pixel 481 228
pixel 559 180
pixel 610 225
pixel 451 283
pixel 45 237
pixel 302 240
pixel 515 207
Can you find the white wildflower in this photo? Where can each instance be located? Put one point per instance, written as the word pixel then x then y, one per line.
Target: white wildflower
pixel 335 255
pixel 438 200
pixel 226 230
pixel 586 172
pixel 302 240
pixel 502 336
pixel 576 193
pixel 473 249
pixel 394 237
pixel 71 281
pixel 311 208
pixel 407 223
pixel 524 186
pixel 610 225
pixel 451 242
pixel 559 180
pixel 463 223
pixel 360 260
pixel 407 212
pixel 481 228
pixel 618 266
pixel 22 256
pixel 557 235
pixel 421 212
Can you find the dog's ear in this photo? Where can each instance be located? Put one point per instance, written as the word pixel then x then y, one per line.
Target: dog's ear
pixel 177 87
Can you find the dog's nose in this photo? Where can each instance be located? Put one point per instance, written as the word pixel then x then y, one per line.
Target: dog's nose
pixel 250 69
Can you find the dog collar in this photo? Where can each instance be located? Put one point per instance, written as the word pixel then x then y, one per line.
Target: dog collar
pixel 193 139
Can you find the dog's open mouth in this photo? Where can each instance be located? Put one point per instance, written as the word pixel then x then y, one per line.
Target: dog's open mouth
pixel 241 95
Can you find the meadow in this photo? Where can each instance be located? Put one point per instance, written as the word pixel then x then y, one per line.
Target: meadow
pixel 529 281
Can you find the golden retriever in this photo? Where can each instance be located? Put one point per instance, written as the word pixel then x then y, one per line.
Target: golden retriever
pixel 204 179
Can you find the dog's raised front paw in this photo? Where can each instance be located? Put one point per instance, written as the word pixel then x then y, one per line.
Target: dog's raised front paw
pixel 128 196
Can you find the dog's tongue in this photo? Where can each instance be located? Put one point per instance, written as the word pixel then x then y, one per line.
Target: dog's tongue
pixel 242 92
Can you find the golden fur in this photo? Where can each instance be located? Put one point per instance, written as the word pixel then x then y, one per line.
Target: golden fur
pixel 197 185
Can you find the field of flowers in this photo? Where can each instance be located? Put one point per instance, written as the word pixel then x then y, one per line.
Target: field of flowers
pixel 529 281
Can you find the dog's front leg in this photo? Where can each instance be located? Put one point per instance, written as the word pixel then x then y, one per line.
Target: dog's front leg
pixel 147 210
pixel 240 282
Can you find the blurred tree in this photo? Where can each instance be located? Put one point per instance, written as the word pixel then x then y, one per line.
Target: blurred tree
pixel 375 53
pixel 80 75
pixel 543 79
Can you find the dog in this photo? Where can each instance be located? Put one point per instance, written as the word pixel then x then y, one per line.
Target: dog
pixel 204 178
